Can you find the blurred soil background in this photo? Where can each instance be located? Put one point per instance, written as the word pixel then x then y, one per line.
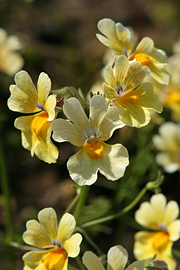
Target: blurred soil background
pixel 59 38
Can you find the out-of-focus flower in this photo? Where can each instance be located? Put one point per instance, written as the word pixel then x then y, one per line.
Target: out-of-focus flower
pixel 161 219
pixel 168 141
pixel 54 243
pixel 133 99
pixel 90 134
pixel 10 61
pixel 35 128
pixel 116 260
pixel 120 39
pixel 157 265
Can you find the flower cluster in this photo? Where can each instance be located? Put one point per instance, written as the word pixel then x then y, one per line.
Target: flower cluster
pixel 126 97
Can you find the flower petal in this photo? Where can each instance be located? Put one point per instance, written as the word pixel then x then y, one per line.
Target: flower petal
pixel 42 145
pixel 33 260
pixel 145 46
pixel 91 261
pixel 24 94
pixel 117 258
pixel 145 216
pixel 135 74
pixel 44 88
pixel 98 108
pixel 174 230
pixel 121 68
pixel 50 105
pixel 22 101
pixel 144 249
pixel 136 266
pixel 108 91
pixel 171 212
pixel 74 112
pixel 109 77
pixel 36 235
pixel 133 106
pixel 110 122
pixel 82 169
pixel 63 130
pixel 72 245
pixel 158 202
pixel 114 161
pixel 48 219
pixel 66 227
pixel 108 28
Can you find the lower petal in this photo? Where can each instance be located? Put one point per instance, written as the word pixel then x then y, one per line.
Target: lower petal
pixel 83 170
pixel 114 161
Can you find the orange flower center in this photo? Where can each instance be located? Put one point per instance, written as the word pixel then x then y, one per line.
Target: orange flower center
pixel 127 98
pixel 55 259
pixel 143 58
pixel 39 123
pixel 160 240
pixel 94 151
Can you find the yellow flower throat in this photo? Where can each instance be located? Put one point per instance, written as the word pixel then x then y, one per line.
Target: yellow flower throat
pixel 143 58
pixel 40 123
pixel 55 259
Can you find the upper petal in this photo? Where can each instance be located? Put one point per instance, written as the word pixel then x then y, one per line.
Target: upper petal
pixel 44 88
pixel 135 74
pixel 74 111
pixel 48 219
pixel 110 122
pixel 72 245
pixel 158 202
pixel 23 95
pixel 121 69
pixel 36 235
pixel 91 261
pixel 117 258
pixel 64 130
pixel 50 107
pixel 98 108
pixel 66 227
pixel 171 212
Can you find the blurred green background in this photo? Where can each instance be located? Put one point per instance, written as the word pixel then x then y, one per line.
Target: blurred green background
pixel 59 38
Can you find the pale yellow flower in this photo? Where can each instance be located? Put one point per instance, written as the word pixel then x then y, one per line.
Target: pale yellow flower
pixel 161 218
pixel 90 134
pixel 133 98
pixel 168 141
pixel 54 243
pixel 35 128
pixel 120 39
pixel 10 61
pixel 117 258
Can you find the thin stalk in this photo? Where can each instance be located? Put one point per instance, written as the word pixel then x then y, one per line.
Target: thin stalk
pixel 80 263
pixel 81 202
pixel 91 242
pixel 74 201
pixel 117 215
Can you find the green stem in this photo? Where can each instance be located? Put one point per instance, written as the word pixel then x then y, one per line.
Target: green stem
pixel 6 193
pixel 72 203
pixel 81 202
pixel 91 242
pixel 117 215
pixel 80 263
